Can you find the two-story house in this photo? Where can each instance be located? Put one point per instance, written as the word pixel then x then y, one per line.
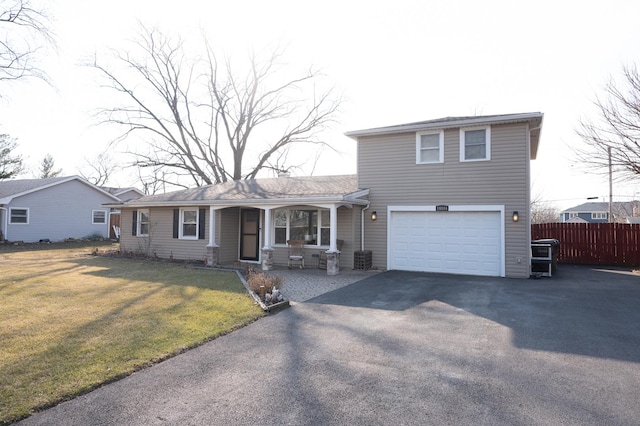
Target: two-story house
pixel 450 195
pixel 598 212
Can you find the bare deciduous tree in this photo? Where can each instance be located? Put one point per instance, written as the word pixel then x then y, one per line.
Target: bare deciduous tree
pixel 23 32
pixel 543 211
pixel 98 170
pixel 47 168
pixel 199 119
pixel 11 165
pixel 615 133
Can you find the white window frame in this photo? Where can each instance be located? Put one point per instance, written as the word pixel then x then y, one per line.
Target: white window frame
pixel 139 223
pixel 571 215
pixel 11 209
pixel 320 211
pixel 93 217
pixel 463 131
pixel 182 223
pixel 598 215
pixel 419 148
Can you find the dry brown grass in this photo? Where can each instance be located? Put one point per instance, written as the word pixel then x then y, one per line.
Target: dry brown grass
pixel 70 321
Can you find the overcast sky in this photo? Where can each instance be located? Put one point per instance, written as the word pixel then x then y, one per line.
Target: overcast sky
pixel 394 61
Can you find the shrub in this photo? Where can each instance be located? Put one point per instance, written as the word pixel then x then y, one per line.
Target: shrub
pixel 257 279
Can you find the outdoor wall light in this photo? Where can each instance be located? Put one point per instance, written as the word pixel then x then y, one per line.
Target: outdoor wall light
pixel 516 216
pixel 374 215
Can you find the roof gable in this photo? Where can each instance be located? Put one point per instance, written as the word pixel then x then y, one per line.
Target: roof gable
pixel 10 189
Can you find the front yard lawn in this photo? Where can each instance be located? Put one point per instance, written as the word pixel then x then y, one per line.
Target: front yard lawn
pixel 70 322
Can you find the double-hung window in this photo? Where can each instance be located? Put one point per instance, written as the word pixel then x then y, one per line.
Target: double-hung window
pixel 475 144
pixel 598 215
pixel 310 225
pixel 430 147
pixel 19 216
pixel 98 217
pixel 142 226
pixel 189 223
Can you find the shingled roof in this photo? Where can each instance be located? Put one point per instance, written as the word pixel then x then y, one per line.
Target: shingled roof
pixel 285 189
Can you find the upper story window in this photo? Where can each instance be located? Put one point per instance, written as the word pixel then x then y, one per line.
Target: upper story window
pixel 98 217
pixel 598 215
pixel 19 216
pixel 429 147
pixel 475 144
pixel 142 226
pixel 189 223
pixel 312 226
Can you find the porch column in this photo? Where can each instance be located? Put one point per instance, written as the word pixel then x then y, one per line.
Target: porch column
pixel 333 262
pixel 267 251
pixel 333 230
pixel 212 247
pixel 267 228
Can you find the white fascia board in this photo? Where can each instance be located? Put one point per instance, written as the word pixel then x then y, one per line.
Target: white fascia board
pixel 473 121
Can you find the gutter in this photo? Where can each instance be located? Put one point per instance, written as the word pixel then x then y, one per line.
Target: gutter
pixel 362 227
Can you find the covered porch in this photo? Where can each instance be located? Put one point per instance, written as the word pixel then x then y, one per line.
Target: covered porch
pixel 258 233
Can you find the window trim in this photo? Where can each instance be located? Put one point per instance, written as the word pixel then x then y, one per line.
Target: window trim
pixel 419 148
pixel 93 217
pixel 26 209
pixel 181 223
pixel 601 215
pixel 139 223
pixel 571 215
pixel 463 131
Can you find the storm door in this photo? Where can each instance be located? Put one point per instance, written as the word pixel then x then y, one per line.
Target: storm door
pixel 249 234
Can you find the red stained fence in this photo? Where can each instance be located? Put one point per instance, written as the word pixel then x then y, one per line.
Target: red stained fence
pixel 615 244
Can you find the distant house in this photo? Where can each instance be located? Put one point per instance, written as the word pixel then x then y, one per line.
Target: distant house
pixel 53 209
pixel 124 194
pixel 449 195
pixel 598 212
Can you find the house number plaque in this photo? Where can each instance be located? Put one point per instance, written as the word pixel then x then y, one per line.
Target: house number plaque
pixel 442 208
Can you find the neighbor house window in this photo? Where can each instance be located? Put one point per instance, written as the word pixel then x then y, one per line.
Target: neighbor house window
pixel 430 147
pixel 99 217
pixel 598 215
pixel 475 144
pixel 312 226
pixel 143 223
pixel 19 216
pixel 189 223
pixel 571 215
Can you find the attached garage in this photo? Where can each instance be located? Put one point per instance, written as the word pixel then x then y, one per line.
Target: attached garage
pixel 462 240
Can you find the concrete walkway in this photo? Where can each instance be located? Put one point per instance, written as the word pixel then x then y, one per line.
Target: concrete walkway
pixel 404 348
pixel 301 285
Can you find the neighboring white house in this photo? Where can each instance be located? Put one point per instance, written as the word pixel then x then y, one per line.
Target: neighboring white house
pixel 53 209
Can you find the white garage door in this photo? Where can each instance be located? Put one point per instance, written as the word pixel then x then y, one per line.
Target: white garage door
pixel 450 242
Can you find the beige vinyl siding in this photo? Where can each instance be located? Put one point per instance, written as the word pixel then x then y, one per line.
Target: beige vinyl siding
pixel 160 237
pixel 397 180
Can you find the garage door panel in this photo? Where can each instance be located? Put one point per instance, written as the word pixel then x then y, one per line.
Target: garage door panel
pixel 450 242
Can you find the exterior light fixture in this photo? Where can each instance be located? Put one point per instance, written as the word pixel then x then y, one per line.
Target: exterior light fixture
pixel 516 216
pixel 374 215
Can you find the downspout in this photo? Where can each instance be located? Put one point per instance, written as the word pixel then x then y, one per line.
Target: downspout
pixel 362 227
pixel 3 226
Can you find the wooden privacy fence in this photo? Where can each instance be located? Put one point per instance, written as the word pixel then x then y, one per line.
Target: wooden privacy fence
pixel 616 244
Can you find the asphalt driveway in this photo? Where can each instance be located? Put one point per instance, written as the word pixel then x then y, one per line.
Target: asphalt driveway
pixel 404 348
